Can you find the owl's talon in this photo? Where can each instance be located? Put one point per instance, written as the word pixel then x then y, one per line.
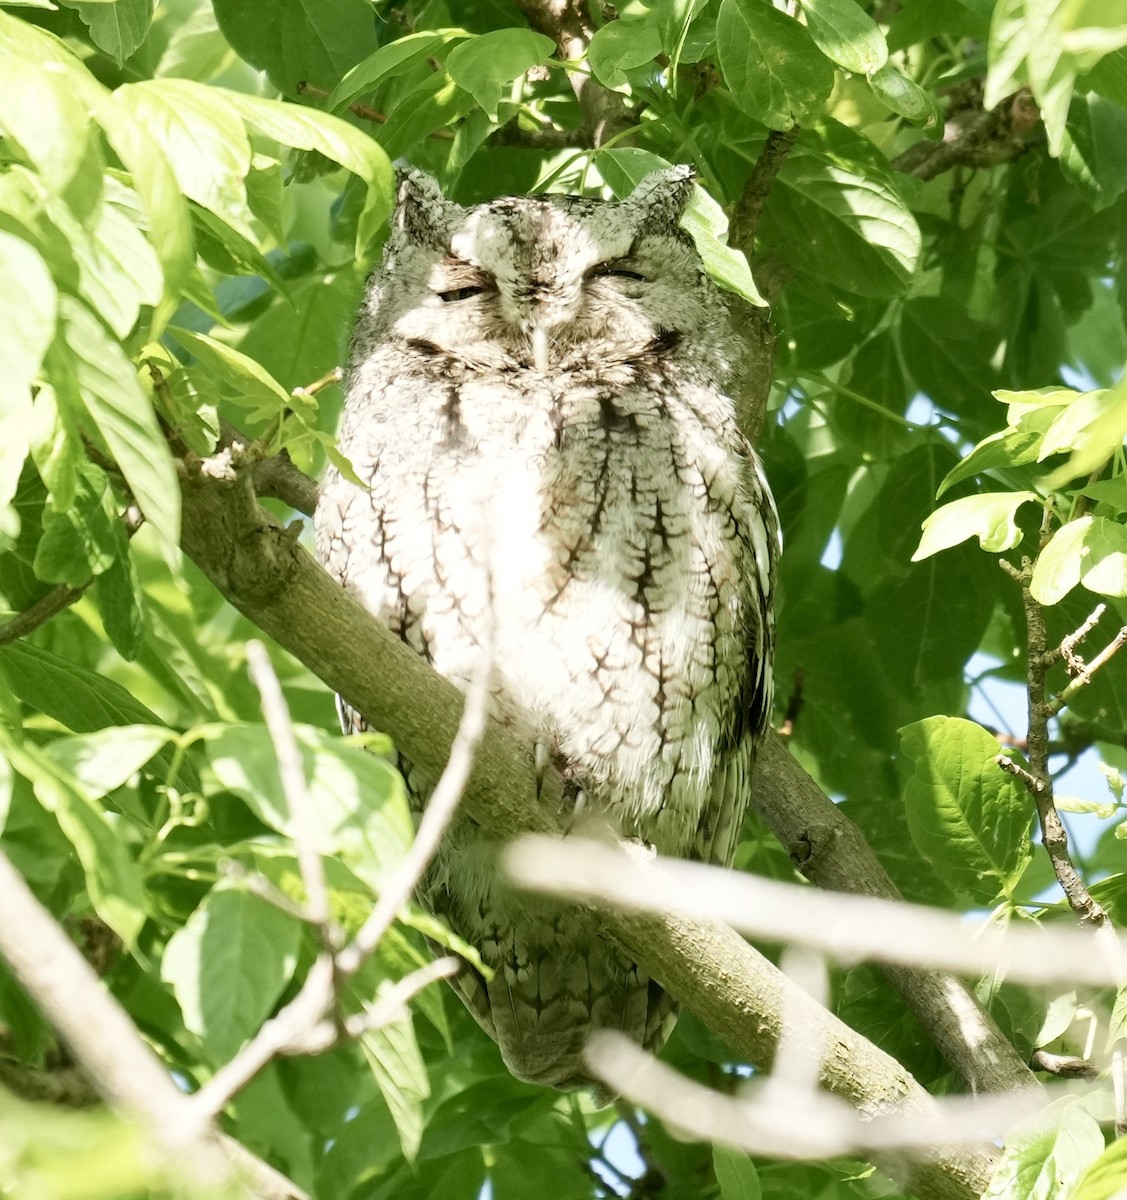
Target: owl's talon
pixel 541 757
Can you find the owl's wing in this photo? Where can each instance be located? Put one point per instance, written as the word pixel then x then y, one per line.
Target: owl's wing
pixel 718 834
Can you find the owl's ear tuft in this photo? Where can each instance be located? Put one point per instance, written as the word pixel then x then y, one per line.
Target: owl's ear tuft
pixel 422 212
pixel 662 197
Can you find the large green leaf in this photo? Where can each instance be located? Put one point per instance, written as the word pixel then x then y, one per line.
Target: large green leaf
pixel 846 35
pixel 771 66
pixel 310 129
pixel 357 799
pixel 203 137
pixel 841 221
pixel 1045 1156
pixel 27 325
pixel 484 65
pixel 967 816
pixel 113 879
pixel 295 41
pixel 106 385
pixel 228 965
pixel 988 517
pixel 118 28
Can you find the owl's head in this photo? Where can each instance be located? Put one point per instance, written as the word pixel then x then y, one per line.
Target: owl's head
pixel 542 283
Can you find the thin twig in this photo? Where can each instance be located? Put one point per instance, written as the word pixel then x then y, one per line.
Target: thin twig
pixel 439 812
pixel 291 771
pixel 388 1006
pixel 1067 1066
pixel 104 1040
pixel 1087 670
pixel 1036 778
pixel 46 607
pixel 295 1029
pixel 305 88
pixel 749 207
pixel 1067 648
pixel 795 1123
pixel 847 928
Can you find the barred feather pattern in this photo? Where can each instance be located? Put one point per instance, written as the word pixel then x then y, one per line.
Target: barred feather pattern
pixel 536 408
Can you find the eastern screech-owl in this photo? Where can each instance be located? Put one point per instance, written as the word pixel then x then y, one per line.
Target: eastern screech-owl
pixel 536 403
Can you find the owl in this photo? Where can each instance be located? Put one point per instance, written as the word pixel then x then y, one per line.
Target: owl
pixel 536 408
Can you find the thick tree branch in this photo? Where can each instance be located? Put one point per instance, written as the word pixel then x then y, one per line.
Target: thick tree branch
pixel 256 564
pixel 973 136
pixel 821 841
pixel 606 114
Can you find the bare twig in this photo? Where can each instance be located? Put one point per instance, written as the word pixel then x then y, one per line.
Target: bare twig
pixel 46 607
pixel 291 771
pixel 1086 670
pixel 1067 1066
pixel 437 815
pixel 1036 778
pixel 849 928
pixel 107 1045
pixel 305 88
pixel 973 137
pixel 795 1122
pixel 1067 649
pixel 388 1006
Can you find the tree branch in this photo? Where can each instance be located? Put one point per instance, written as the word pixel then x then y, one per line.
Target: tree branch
pixel 98 1031
pixel 974 137
pixel 271 580
pixel 1036 778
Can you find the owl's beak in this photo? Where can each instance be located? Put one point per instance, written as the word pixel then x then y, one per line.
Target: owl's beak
pixel 540 347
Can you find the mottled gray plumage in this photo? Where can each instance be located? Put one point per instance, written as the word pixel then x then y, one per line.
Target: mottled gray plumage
pixel 536 399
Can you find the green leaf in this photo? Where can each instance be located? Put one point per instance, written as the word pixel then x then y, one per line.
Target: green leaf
pixel 27 324
pixel 1046 1155
pixel 1104 558
pixel 228 965
pixel 358 799
pixel 49 122
pixel 203 138
pixel 736 1174
pixel 80 540
pixel 107 386
pixel 294 40
pixel 989 517
pixel 1104 1178
pixel 840 220
pixel 392 1053
pixel 396 57
pixel 904 96
pixel 485 64
pixel 310 129
pixel 846 35
pixel 966 816
pixel 624 168
pixel 108 758
pixel 1094 427
pixel 771 66
pixel 1059 565
pixel 112 877
pixel 249 380
pixel 119 27
pixel 620 46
